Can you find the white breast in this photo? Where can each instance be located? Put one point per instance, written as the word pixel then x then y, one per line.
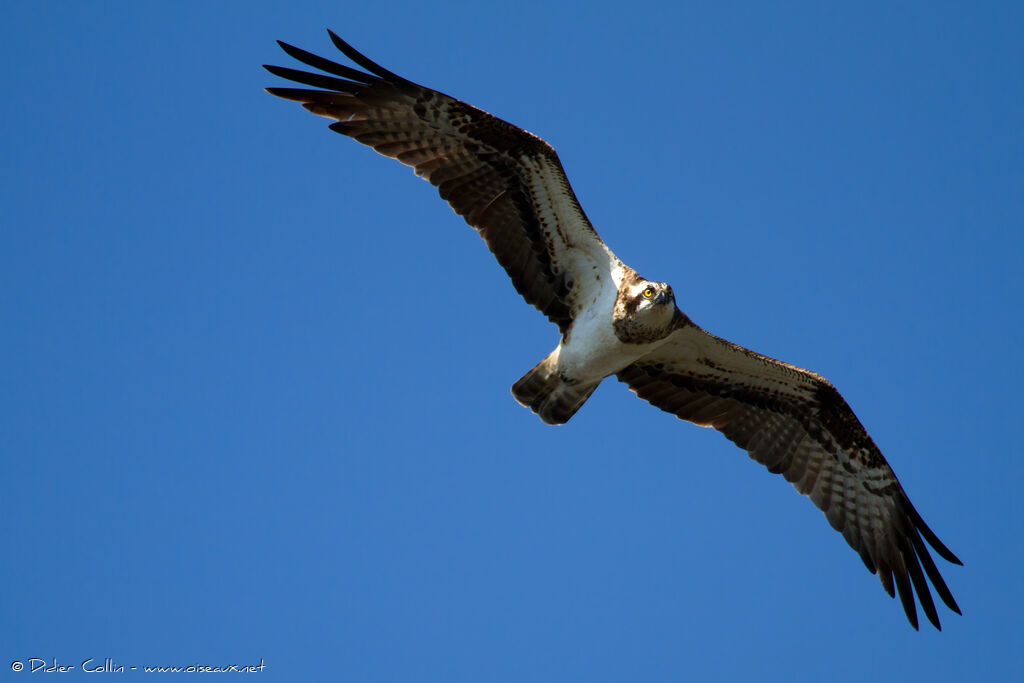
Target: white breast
pixel 593 351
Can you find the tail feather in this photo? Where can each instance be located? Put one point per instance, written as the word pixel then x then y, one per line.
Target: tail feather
pixel 546 392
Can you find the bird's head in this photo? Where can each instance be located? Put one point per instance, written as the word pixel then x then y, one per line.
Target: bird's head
pixel 645 311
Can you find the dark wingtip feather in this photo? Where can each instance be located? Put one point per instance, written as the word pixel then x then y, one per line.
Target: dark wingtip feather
pixel 283 71
pixel 365 62
pixel 865 557
pixel 318 62
pixel 921 586
pixel 296 94
pixel 903 587
pixel 316 80
pixel 933 573
pixel 886 576
pixel 932 539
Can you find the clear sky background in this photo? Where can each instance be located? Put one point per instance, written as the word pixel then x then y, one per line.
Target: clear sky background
pixel 255 378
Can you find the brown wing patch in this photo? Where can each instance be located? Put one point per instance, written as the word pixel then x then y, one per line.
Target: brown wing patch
pixel 809 435
pixel 482 166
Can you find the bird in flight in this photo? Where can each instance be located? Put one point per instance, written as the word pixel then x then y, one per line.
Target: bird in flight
pixel 510 186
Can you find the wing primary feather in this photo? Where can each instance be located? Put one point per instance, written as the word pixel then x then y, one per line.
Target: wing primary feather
pixel 920 585
pixel 865 557
pixel 885 575
pixel 297 94
pixel 932 539
pixel 316 80
pixel 327 65
pixel 906 592
pixel 367 63
pixel 933 573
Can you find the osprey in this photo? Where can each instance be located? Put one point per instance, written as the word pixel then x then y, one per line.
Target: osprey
pixel 510 186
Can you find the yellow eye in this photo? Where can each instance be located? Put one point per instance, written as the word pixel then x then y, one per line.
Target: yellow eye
pixel 648 293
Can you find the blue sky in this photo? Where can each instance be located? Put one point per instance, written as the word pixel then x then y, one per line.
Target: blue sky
pixel 256 377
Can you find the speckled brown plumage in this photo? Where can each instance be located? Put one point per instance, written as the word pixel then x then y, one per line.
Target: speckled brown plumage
pixel 474 159
pixel 796 424
pixel 510 186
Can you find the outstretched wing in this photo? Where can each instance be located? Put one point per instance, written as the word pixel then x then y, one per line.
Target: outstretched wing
pixel 796 424
pixel 506 183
